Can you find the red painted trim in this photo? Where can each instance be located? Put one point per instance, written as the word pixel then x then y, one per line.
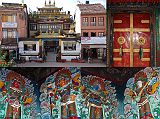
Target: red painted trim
pixel 127 1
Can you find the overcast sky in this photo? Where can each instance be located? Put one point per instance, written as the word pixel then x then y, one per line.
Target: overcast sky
pixel 68 5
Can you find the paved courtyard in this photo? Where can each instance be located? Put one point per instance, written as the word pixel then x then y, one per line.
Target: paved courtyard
pixel 51 62
pixel 59 64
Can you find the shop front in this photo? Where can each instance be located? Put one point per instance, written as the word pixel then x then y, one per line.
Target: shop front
pixel 11 51
pixel 70 50
pixel 94 48
pixel 29 50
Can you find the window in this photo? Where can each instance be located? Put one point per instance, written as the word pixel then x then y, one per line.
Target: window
pixel 43 27
pixel 85 34
pixel 100 34
pixel 9 33
pixel 93 34
pixel 33 27
pixel 85 21
pixel 100 53
pixel 59 26
pixel 29 47
pixel 93 21
pixel 100 21
pixel 67 26
pixel 8 18
pixel 69 46
pixel 4 33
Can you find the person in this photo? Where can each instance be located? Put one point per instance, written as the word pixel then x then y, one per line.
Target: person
pixel 46 52
pixel 44 58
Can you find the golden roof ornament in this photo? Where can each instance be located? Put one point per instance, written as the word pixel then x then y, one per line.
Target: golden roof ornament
pixel 54 3
pixel 49 2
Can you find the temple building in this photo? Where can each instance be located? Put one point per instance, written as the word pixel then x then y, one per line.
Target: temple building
pixel 134 31
pixel 93 31
pixel 51 30
pixel 13 26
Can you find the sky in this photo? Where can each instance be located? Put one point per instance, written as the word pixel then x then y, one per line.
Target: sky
pixel 68 5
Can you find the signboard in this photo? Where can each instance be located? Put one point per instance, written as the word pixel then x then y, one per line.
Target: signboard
pixel 7 47
pixel 93 40
pixel 9 25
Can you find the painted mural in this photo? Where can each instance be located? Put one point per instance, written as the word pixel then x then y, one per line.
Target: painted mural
pixel 17 98
pixel 142 95
pixel 72 93
pixel 68 95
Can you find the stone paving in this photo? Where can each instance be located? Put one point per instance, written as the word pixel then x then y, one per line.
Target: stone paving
pixel 51 62
pixel 59 64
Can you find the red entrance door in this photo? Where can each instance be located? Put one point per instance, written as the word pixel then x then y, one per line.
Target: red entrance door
pixel 131 40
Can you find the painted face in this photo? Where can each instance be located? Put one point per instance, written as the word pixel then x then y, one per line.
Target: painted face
pixel 139 84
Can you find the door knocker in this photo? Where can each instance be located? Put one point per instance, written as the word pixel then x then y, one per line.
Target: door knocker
pixel 141 42
pixel 121 41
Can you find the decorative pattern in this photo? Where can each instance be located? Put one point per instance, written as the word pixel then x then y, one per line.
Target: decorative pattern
pixel 142 95
pixel 59 94
pixel 66 94
pixel 141 41
pixel 99 97
pixel 17 98
pixel 121 40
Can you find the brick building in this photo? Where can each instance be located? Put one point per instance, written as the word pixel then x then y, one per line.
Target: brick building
pixel 13 26
pixel 93 30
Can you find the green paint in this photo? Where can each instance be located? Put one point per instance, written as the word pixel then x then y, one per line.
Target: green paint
pixel 141 52
pixel 158 28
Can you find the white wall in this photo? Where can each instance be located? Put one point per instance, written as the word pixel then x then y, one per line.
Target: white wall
pixel 77 52
pixel 21 47
pixel 78 20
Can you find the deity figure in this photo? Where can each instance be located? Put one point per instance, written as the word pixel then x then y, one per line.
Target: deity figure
pixel 143 87
pixel 68 107
pixel 97 96
pixel 16 96
pixel 62 92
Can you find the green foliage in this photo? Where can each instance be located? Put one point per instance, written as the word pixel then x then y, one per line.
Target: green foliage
pixel 3 61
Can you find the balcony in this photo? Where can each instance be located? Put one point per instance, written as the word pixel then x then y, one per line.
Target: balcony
pixel 51 13
pixel 9 41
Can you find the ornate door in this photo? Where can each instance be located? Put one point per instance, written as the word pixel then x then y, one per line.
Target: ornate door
pixel 131 40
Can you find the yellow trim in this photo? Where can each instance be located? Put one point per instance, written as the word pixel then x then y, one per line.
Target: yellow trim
pixel 49 36
pixel 134 29
pixel 131 40
pixel 145 21
pixel 117 21
pixel 117 59
pixel 124 50
pixel 121 29
pixel 134 50
pixel 144 50
pixel 141 30
pixel 145 59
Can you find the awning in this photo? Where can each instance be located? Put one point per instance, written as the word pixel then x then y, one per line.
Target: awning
pixel 93 46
